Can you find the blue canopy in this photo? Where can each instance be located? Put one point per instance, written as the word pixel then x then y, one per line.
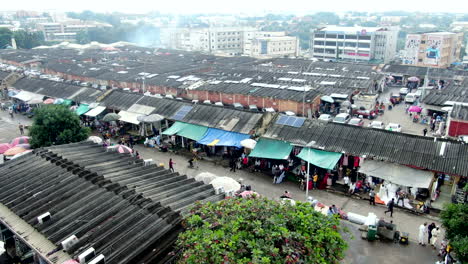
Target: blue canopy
pixel 218 137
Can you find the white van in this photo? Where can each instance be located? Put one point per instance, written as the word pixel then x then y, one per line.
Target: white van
pixel 410 98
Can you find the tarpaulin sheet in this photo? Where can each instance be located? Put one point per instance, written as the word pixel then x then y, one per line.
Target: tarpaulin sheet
pixel 271 149
pixel 218 137
pixel 83 108
pixel 190 131
pixel 129 117
pixel 320 158
pixel 95 111
pixel 398 174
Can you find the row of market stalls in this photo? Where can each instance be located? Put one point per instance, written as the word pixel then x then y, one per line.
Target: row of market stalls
pixel 327 148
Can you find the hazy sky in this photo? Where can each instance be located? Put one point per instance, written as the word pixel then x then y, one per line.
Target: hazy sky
pixel 238 6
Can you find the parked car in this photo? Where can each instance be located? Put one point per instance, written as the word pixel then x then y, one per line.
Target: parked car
pixel 44 76
pixel 410 98
pixel 393 127
pixel 325 117
pixel 76 82
pixel 377 124
pixel 418 92
pixel 369 114
pixel 356 122
pixel 404 91
pixel 341 118
pixel 84 84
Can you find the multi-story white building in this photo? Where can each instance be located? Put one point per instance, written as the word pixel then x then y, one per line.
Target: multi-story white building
pixel 230 41
pixel 354 43
pixel 436 49
pixel 66 30
pixel 274 46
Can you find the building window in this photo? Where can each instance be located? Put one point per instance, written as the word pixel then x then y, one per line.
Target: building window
pixel 365 37
pixel 318 35
pixel 330 36
pixel 351 37
pixel 419 60
pixel 330 43
pixel 340 36
pixel 423 42
pixel 363 45
pixel 318 42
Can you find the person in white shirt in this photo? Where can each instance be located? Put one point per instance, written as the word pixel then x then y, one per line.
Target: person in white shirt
pixel 422 234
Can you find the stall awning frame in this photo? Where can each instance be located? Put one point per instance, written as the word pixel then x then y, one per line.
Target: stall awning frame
pixel 129 117
pixel 83 108
pixel 95 111
pixel 271 149
pixel 194 132
pixel 398 174
pixel 218 137
pixel 320 158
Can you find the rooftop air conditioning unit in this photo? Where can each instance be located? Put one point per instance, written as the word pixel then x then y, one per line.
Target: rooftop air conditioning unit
pixel 98 260
pixel 87 256
pixel 69 242
pixel 44 217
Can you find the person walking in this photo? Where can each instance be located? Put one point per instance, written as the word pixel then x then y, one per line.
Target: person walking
pixel 10 111
pixel 232 164
pixel 435 236
pixel 21 129
pixel 390 207
pixel 171 165
pixel 372 197
pixel 422 234
pixel 425 131
pixel 429 234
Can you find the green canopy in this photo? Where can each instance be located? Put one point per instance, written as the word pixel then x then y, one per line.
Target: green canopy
pixel 174 129
pixel 194 132
pixel 320 158
pixel 66 102
pixel 271 149
pixel 83 108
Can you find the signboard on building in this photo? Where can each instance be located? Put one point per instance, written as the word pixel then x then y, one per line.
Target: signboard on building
pixel 410 55
pixel 433 48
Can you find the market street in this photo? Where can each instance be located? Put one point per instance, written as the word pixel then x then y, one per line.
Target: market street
pixel 360 251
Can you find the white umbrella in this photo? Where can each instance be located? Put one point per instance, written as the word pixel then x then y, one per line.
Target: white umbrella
pixel 95 139
pixel 205 177
pixel 327 99
pixel 447 108
pixel 228 184
pixel 413 79
pixel 248 143
pixel 151 118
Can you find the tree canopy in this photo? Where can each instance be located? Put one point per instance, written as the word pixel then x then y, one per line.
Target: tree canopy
pixel 5 37
pixel 455 220
pixel 56 125
pixel 259 230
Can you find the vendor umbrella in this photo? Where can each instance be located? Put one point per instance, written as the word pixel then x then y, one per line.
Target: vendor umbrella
pixel 124 149
pixel 59 101
pixel 327 99
pixel 49 101
pixel 95 139
pixel 415 108
pixel 413 79
pixel 14 150
pixel 4 147
pixel 20 140
pixel 228 184
pixel 26 146
pixel 150 118
pixel 21 154
pixel 205 177
pixel 110 117
pixel 12 93
pixel 248 143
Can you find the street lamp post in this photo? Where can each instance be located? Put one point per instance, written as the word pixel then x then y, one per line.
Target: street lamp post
pixel 310 144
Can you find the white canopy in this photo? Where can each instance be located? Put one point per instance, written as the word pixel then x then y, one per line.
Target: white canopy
pixel 398 174
pixel 95 111
pixel 129 117
pixel 26 96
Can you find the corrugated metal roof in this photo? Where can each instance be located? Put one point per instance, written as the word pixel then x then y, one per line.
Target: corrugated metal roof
pixel 385 145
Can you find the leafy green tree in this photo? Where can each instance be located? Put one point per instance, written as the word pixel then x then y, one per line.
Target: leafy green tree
pixel 455 220
pixel 5 37
pixel 56 125
pixel 82 37
pixel 259 230
pixel 28 40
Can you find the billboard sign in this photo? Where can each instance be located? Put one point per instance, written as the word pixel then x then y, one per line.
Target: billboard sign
pixel 433 48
